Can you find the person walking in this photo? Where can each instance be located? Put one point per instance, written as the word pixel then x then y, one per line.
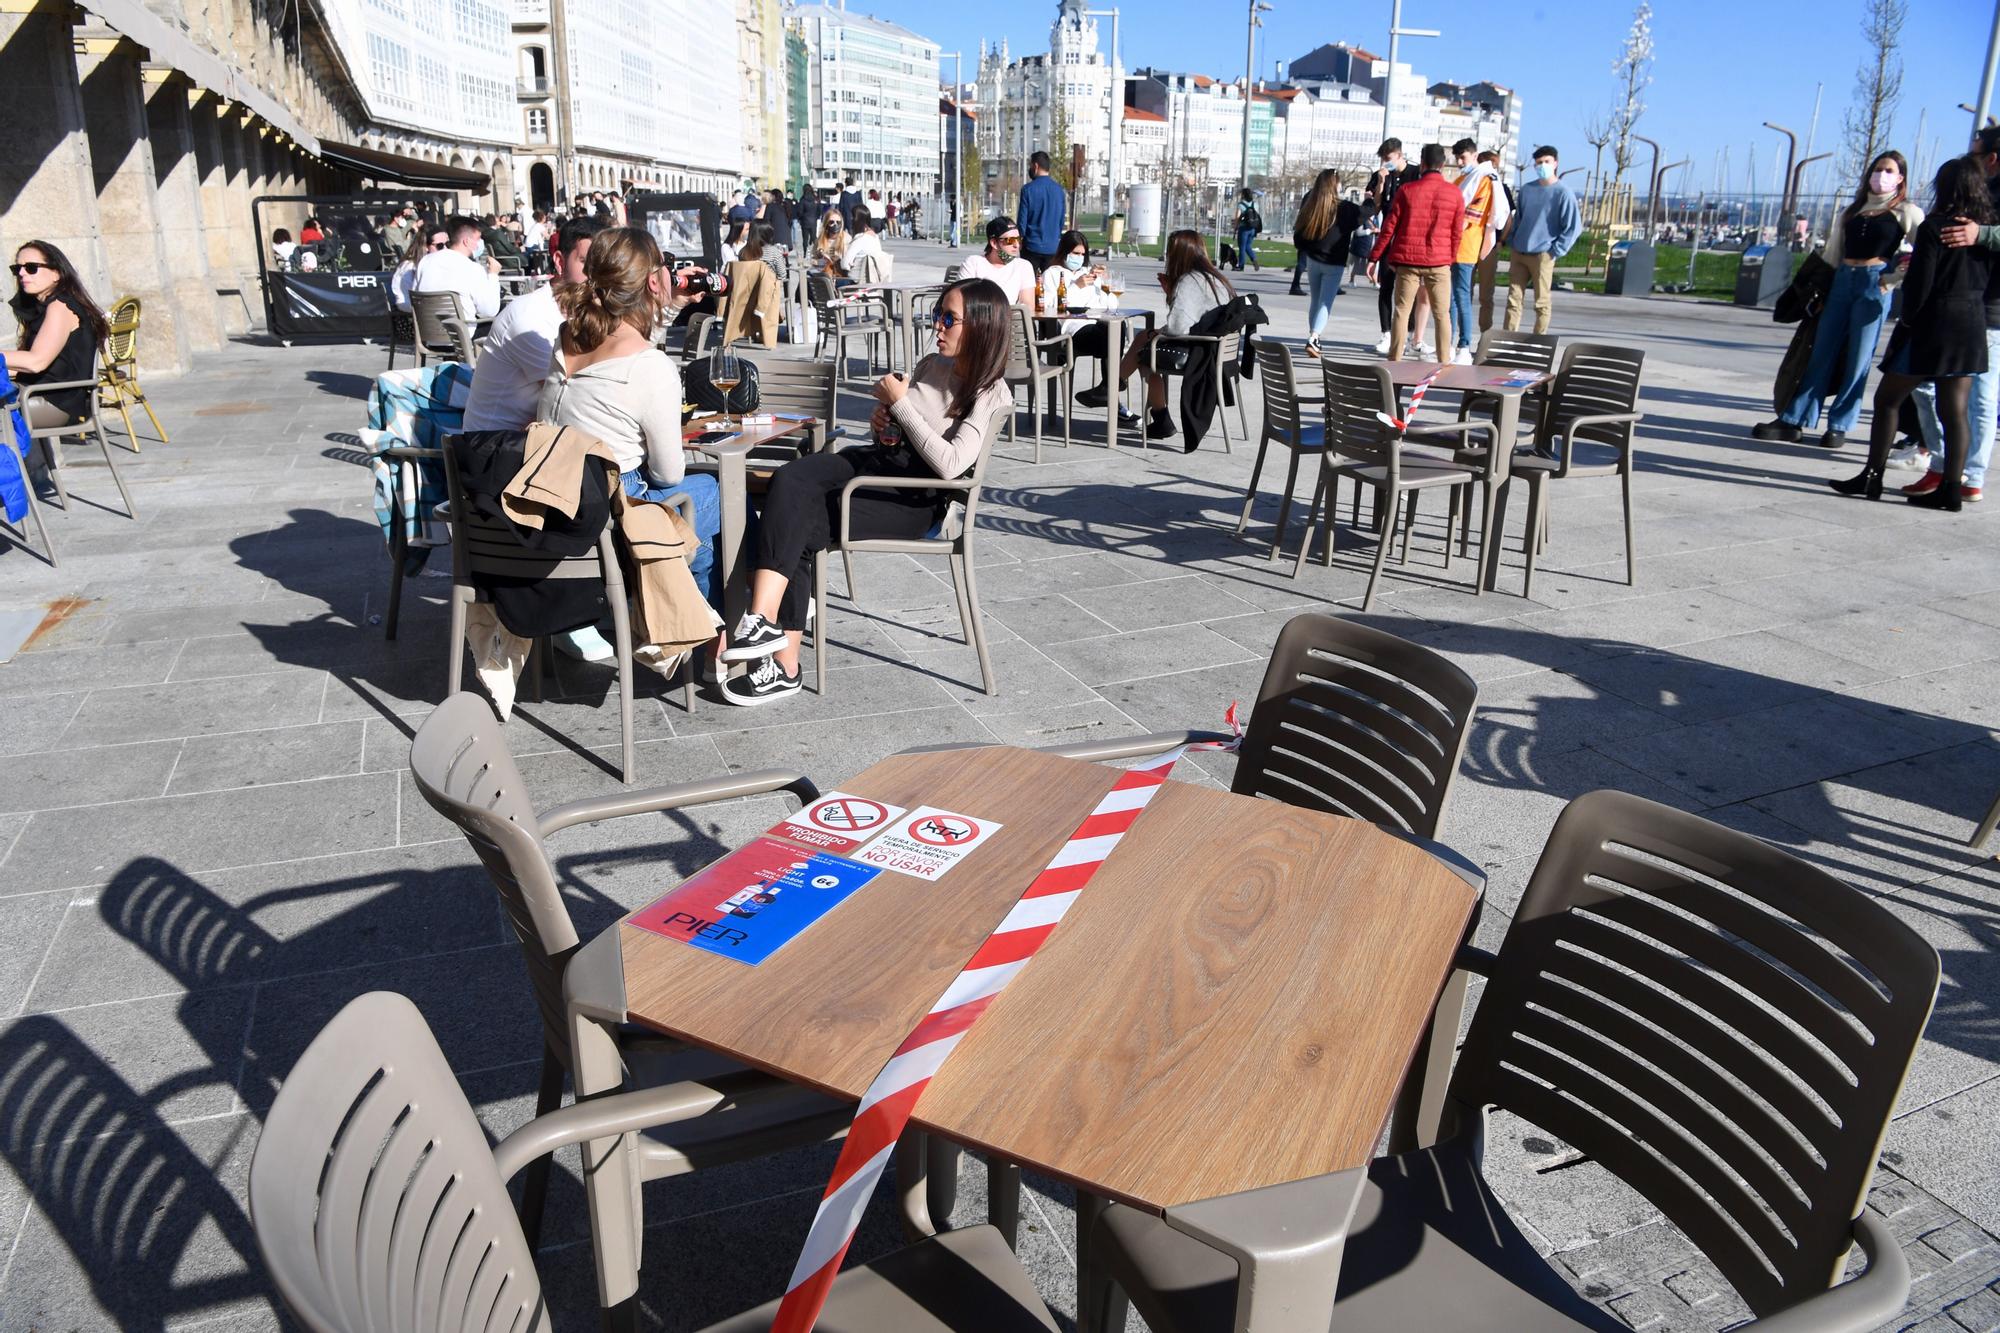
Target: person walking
pixel 1985 388
pixel 1324 236
pixel 1546 224
pixel 1485 216
pixel 1391 176
pixel 1863 247
pixel 1419 239
pixel 1042 211
pixel 1249 222
pixel 1941 336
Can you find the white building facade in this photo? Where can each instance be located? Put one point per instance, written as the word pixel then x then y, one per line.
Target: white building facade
pixel 1023 103
pixel 872 101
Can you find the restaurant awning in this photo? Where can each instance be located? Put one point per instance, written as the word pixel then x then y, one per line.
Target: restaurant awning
pixel 400 170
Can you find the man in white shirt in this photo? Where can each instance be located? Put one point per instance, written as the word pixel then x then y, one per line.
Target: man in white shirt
pixel 454 269
pixel 1002 263
pixel 515 359
pixel 864 243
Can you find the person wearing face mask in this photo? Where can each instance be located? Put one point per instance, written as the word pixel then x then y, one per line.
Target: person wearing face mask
pixel 1394 173
pixel 1545 225
pixel 1078 285
pixel 1486 213
pixel 1985 388
pixel 1001 263
pixel 457 269
pixel 1863 247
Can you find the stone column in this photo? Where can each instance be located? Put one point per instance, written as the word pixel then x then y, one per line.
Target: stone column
pixel 183 225
pixel 128 205
pixel 223 231
pixel 45 176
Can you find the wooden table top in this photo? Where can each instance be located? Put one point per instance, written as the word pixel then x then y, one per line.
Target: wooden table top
pixel 1231 1003
pixel 1405 373
pixel 748 437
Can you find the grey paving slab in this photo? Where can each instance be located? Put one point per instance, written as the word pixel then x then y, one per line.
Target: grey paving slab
pixel 1664 620
pixel 1928 1145
pixel 56 778
pixel 32 922
pixel 37 722
pixel 255 758
pixel 843 746
pixel 1904 639
pixel 1140 655
pixel 1718 678
pixel 1050 618
pixel 85 668
pixel 198 708
pixel 1554 712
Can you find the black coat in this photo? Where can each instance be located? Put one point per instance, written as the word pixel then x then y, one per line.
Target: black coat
pixel 1943 328
pixel 488 460
pixel 1332 247
pixel 1198 391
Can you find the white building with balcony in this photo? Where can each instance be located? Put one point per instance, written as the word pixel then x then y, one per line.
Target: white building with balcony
pixel 871 101
pixel 1023 102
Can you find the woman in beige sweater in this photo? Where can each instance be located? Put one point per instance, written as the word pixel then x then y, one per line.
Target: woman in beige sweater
pixel 933 426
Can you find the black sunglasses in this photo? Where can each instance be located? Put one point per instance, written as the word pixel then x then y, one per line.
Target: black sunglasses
pixel 944 319
pixel 29 268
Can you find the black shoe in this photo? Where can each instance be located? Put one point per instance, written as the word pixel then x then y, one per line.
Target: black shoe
pixel 760 685
pixel 1784 431
pixel 1866 483
pixel 1297 292
pixel 1095 396
pixel 1161 426
pixel 1128 419
pixel 1833 439
pixel 1945 497
pixel 755 638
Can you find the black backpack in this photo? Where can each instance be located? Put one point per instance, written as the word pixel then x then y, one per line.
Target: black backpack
pixel 1253 220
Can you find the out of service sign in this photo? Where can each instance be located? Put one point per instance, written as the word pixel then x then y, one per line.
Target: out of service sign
pixel 839 822
pixel 926 842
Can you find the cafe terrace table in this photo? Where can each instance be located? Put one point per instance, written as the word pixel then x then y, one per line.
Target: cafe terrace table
pixel 1231 1003
pixel 1115 343
pixel 1507 429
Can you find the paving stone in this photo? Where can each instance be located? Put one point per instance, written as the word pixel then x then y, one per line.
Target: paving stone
pixel 1140 655
pixel 198 708
pixel 255 758
pixel 1930 1145
pixel 32 923
pixel 57 778
pixel 37 722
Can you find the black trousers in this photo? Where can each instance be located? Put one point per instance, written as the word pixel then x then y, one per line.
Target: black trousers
pixel 1385 294
pixel 801 514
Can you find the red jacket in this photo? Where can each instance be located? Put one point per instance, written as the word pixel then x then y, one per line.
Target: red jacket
pixel 1423 226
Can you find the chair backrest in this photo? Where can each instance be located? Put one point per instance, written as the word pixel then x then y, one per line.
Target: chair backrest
pixel 1517 350
pixel 703 335
pixel 819 291
pixel 1720 1025
pixel 1594 379
pixel 1021 362
pixel 788 384
pixel 487 546
pixel 432 309
pixel 461 764
pixel 1355 392
pixel 1282 420
pixel 375 1199
pixel 1358 722
pixel 952 273
pixel 121 340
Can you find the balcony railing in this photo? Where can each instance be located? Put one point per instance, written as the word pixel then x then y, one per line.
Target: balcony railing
pixel 530 87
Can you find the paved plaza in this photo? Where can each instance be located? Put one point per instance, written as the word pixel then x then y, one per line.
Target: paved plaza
pixel 208 842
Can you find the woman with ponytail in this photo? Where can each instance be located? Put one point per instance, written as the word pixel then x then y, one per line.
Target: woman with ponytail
pixel 608 380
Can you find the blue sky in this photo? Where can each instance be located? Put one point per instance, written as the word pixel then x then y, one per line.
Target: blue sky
pixel 1721 70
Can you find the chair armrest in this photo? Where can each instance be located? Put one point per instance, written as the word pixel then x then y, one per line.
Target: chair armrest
pixel 673 798
pixel 965 486
pixel 1567 440
pixel 36 390
pixel 410 451
pixel 1288 1241
pixel 627 1112
pixel 1452 428
pixel 1470 958
pixel 1868 1300
pixel 1131 747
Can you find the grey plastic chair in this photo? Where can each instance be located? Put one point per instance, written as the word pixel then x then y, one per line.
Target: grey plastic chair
pixel 1984 833
pixel 1228 347
pixel 1718 1024
pixel 377 1204
pixel 1028 369
pixel 1510 351
pixel 460 763
pixel 1594 403
pixel 1285 426
pixel 952 539
pixel 1359 445
pixel 442 332
pixel 844 318
pixel 51 437
pixel 791 384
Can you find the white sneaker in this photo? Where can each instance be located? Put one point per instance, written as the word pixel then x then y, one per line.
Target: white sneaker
pixel 1463 357
pixel 760 685
pixel 1382 345
pixel 1417 351
pixel 585 644
pixel 1912 457
pixel 755 638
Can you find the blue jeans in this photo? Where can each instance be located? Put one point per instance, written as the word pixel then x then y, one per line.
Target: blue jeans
pixel 1461 305
pixel 706 493
pixel 1981 414
pixel 1322 285
pixel 1245 239
pixel 1848 329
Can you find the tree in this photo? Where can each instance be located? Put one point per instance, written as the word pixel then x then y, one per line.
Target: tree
pixel 1059 154
pixel 1634 68
pixel 1878 83
pixel 972 179
pixel 1597 132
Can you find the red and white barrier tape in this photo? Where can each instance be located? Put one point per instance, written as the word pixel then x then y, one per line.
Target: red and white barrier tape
pixel 886 1107
pixel 1416 396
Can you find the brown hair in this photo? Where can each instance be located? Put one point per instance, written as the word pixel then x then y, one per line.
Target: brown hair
pixel 67 284
pixel 1186 254
pixel 1322 203
pixel 983 345
pixel 616 289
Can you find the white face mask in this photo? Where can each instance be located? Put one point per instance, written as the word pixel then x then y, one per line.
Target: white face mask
pixel 479 249
pixel 1074 263
pixel 1884 182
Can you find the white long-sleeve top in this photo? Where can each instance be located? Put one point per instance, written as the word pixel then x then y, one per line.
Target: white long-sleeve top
pixel 449 271
pixel 948 445
pixel 632 403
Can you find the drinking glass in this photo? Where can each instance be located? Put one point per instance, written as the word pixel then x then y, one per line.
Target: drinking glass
pixel 725 372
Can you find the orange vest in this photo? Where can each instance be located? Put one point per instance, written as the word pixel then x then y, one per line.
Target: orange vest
pixel 1473 239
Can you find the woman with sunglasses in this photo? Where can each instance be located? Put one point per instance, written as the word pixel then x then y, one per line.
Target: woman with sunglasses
pixel 935 426
pixel 61 330
pixel 404 280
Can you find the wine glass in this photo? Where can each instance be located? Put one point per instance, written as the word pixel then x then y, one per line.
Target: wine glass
pixel 725 372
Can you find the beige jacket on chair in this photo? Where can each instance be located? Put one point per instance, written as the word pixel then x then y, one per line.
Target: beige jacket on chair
pixel 754 305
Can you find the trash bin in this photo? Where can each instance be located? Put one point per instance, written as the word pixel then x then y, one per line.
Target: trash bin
pixel 1630 271
pixel 1114 231
pixel 1765 272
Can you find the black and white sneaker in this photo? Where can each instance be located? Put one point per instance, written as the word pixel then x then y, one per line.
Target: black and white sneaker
pixel 760 685
pixel 755 637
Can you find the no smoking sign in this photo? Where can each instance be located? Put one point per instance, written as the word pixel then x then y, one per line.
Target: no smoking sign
pixel 926 842
pixel 838 822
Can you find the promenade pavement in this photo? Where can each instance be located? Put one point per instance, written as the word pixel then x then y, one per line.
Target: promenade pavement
pixel 208 841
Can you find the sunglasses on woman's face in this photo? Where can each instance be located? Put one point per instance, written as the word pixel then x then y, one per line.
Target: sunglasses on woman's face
pixel 29 268
pixel 944 319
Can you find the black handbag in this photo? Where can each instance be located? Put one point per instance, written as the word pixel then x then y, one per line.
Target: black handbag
pixel 1171 358
pixel 706 397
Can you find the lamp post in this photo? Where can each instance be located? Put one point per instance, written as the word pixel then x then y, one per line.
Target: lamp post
pixel 1117 73
pixel 957 185
pixel 1791 156
pixel 1396 32
pixel 1986 77
pixel 1654 179
pixel 1249 82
